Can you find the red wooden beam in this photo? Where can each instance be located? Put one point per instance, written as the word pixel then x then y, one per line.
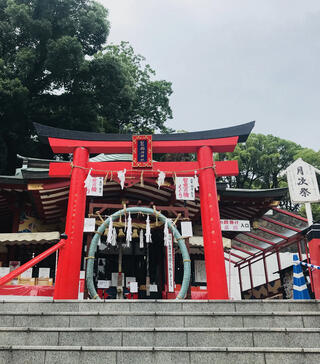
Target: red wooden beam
pixel 175 146
pixel 227 259
pixel 242 250
pixel 249 244
pixel 272 233
pixel 289 214
pixel 280 224
pixel 237 256
pixel 254 236
pixel 223 168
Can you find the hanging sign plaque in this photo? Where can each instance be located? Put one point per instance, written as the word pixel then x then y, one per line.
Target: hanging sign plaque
pixel 185 188
pixel 96 187
pixel 142 151
pixel 170 264
pixel 302 181
pixel 235 225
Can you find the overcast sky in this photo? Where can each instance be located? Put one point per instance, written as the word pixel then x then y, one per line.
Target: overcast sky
pixel 231 61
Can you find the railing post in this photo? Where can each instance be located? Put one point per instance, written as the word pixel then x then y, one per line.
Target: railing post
pixel 68 271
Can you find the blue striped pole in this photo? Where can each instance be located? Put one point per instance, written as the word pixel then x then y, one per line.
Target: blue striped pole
pixel 310 265
pixel 300 290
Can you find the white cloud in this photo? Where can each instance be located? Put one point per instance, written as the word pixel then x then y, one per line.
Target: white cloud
pixel 231 61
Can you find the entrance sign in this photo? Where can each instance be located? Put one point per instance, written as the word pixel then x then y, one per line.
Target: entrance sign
pixel 142 151
pixel 96 187
pixel 185 188
pixel 235 225
pixel 302 181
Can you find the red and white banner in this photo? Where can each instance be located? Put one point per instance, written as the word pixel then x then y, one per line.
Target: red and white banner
pixel 185 188
pixel 170 264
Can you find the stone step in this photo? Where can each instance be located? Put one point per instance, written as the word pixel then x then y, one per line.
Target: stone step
pixel 9 305
pixel 155 355
pixel 163 337
pixel 161 319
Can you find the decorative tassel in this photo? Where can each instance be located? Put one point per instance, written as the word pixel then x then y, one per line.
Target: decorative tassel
pixel 148 231
pixel 141 239
pixel 122 177
pixel 166 233
pixel 110 231
pixel 161 178
pixel 114 237
pixel 196 181
pixel 129 231
pixel 141 179
pixel 88 181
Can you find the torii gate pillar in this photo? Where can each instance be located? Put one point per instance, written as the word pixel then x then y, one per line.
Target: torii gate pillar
pixel 211 228
pixel 67 279
pixel 313 236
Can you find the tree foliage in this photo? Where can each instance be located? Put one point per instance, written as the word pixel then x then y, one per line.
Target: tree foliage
pixel 261 160
pixel 56 70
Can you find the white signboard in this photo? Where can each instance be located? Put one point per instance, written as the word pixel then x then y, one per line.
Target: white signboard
pixel 103 284
pixel 130 279
pixel 302 181
pixel 170 264
pixel 153 288
pixel 235 225
pixel 186 229
pixel 96 188
pixel 200 271
pixel 114 279
pixel 134 287
pixel 27 273
pixel 44 272
pixel 185 188
pixel 4 271
pixel 89 225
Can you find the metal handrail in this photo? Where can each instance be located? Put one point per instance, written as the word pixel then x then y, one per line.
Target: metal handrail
pixel 15 273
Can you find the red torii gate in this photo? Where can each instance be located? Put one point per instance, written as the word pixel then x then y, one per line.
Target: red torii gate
pixel 204 144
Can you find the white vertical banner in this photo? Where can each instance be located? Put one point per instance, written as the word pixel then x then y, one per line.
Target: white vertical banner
pixel 96 187
pixel 302 182
pixel 170 263
pixel 185 188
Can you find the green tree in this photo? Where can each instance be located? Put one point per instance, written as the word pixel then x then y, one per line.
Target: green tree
pixel 56 70
pixel 261 160
pixel 310 156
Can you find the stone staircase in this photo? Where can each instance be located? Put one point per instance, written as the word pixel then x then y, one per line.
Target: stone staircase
pixel 167 332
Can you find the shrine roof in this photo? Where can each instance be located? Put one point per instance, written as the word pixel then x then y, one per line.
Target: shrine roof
pixel 242 131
